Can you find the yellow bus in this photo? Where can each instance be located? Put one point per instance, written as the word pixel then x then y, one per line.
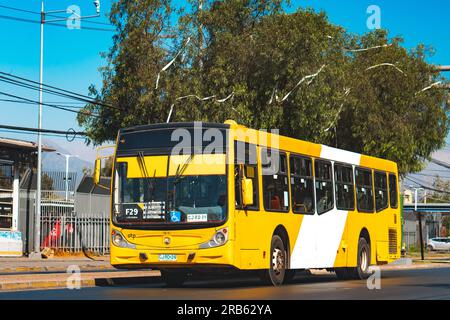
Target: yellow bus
pixel 193 196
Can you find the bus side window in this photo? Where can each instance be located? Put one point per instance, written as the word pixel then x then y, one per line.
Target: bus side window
pixel 245 164
pixel 302 185
pixel 324 186
pixel 343 175
pixel 393 190
pixel 381 192
pixel 364 190
pixel 275 180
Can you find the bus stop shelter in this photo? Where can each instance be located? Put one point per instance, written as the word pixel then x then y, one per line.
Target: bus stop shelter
pixel 16 158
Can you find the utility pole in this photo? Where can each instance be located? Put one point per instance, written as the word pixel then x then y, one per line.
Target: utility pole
pixel 37 222
pixel 419 217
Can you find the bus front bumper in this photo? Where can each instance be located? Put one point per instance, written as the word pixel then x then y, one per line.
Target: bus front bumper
pixel 165 258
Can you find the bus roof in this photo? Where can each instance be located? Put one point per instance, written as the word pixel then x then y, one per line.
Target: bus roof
pixel 286 143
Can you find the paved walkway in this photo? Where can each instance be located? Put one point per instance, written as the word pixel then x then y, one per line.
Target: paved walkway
pixel 24 264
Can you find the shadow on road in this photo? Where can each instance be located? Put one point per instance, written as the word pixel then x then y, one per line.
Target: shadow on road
pixel 237 280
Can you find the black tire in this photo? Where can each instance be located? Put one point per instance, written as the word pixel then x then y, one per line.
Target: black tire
pixel 174 277
pixel 363 262
pixel 289 276
pixel 430 248
pixel 342 273
pixel 276 273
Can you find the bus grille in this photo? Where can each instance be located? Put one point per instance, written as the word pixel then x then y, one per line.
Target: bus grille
pixel 392 241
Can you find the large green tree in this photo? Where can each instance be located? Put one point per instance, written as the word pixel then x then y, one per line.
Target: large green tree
pixel 295 72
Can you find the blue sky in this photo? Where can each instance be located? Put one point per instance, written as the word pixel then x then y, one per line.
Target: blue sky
pixel 71 58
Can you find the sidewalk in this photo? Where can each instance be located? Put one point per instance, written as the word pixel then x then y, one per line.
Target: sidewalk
pixel 23 264
pixel 27 273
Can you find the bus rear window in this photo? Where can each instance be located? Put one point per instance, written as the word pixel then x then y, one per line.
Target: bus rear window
pixel 393 190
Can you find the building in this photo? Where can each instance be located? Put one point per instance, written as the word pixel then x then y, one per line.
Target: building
pixel 17 159
pixel 91 198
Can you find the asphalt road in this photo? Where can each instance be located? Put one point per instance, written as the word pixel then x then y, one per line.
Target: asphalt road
pixel 395 284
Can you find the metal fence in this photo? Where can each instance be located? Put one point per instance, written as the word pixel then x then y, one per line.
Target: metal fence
pixel 409 239
pixel 65 229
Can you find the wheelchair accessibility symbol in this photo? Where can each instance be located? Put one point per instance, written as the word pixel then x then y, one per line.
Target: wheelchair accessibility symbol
pixel 175 216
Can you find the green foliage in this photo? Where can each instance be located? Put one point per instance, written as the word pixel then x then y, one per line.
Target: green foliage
pixel 47 182
pixel 440 184
pixel 253 49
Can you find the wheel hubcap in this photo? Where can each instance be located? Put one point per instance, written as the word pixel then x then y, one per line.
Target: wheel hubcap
pixel 277 261
pixel 363 259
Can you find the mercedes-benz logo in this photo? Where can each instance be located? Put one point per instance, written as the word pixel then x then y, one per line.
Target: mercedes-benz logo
pixel 167 241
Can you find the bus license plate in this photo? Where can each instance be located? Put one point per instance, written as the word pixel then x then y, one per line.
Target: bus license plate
pixel 167 257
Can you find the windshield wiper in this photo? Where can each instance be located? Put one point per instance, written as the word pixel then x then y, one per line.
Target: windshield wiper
pixel 178 177
pixel 142 164
pixel 179 172
pixel 143 167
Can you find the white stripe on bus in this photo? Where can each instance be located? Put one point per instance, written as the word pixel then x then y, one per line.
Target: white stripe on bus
pixel 320 235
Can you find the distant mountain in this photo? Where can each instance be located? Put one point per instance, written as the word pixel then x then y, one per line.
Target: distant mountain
pixel 51 161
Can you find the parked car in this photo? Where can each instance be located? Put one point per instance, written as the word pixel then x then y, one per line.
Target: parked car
pixel 438 244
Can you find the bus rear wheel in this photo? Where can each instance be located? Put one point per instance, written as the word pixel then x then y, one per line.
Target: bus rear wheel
pixel 174 277
pixel 361 271
pixel 276 273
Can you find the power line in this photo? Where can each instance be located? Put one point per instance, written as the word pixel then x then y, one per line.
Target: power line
pixel 60 103
pixel 34 85
pixel 31 133
pixel 431 175
pixel 437 170
pixel 81 28
pixel 37 83
pixel 84 21
pixel 36 88
pixel 440 163
pixel 18 9
pixel 51 15
pixel 29 129
pixel 52 23
pixel 427 187
pixel 19 19
pixel 49 105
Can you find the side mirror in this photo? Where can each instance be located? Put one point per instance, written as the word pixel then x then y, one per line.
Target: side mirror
pixel 97 170
pixel 247 191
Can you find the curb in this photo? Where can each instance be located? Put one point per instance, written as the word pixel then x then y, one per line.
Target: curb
pixel 42 285
pixel 89 283
pixel 413 266
pixel 61 283
pixel 51 268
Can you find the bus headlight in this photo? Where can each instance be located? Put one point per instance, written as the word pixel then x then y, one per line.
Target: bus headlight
pixel 219 238
pixel 119 240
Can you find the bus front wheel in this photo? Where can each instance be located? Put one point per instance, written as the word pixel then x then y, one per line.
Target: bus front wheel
pixel 277 269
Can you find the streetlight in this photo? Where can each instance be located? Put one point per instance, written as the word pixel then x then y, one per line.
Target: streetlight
pixel 37 236
pixel 67 156
pixel 415 195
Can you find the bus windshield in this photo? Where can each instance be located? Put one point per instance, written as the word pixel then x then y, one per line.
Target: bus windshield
pixel 182 199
